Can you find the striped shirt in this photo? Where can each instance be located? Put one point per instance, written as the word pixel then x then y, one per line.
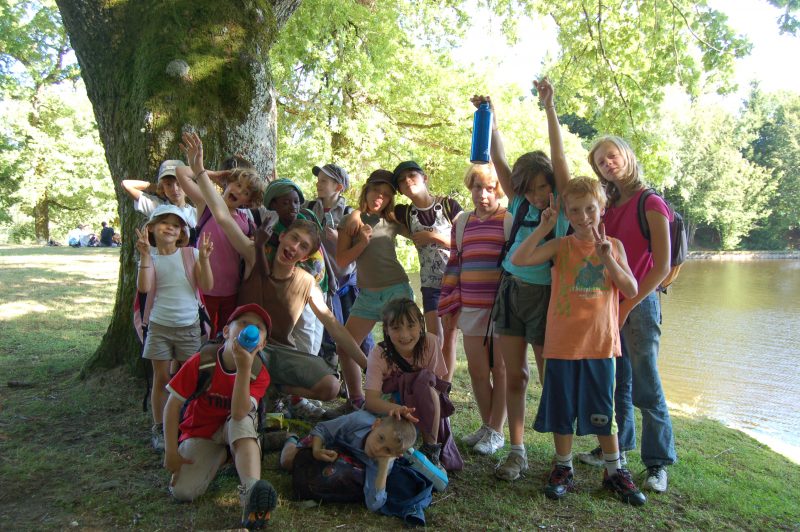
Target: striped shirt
pixel 471 279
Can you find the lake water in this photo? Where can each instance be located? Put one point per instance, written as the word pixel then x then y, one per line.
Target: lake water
pixel 730 347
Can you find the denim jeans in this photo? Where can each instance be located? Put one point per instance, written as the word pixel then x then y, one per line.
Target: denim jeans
pixel 639 385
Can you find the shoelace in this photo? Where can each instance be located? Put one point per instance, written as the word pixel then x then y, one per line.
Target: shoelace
pixel 625 479
pixel 652 471
pixel 560 474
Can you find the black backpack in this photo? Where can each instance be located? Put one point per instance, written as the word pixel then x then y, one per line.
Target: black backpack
pixel 678 237
pixel 339 481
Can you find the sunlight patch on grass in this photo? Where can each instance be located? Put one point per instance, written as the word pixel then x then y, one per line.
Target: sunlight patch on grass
pixel 17 309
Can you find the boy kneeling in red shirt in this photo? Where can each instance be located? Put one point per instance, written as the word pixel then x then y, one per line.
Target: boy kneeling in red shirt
pixel 221 414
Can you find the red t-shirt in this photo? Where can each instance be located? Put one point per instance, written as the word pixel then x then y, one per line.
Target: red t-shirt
pixel 622 222
pixel 207 413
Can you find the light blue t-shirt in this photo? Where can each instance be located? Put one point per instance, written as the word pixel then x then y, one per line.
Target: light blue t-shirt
pixel 539 273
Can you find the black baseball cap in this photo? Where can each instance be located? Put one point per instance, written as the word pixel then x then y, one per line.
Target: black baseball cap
pixel 402 167
pixel 382 176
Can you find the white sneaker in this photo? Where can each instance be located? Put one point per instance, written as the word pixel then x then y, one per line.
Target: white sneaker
pixel 595 458
pixel 656 479
pixel 491 442
pixel 157 437
pixel 305 409
pixel 471 439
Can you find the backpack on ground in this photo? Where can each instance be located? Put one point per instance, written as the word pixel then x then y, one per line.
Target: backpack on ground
pixel 678 237
pixel 339 481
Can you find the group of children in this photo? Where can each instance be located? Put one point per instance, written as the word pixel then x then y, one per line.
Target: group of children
pixel 565 268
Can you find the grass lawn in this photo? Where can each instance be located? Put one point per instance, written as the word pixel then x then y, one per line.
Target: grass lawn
pixel 75 453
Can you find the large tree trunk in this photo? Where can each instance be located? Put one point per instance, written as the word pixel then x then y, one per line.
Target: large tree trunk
pixel 41 218
pixel 154 69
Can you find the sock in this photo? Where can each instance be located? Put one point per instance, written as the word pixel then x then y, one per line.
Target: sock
pixel 612 462
pixel 519 449
pixel 248 482
pixel 357 401
pixel 565 460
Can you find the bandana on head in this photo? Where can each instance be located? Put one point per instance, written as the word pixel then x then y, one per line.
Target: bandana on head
pixel 281 187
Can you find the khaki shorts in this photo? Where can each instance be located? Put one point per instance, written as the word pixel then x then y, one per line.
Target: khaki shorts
pixel 294 368
pixel 521 309
pixel 209 455
pixel 167 343
pixel 474 321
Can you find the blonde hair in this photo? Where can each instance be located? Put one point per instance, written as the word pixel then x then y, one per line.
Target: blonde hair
pixel 251 181
pixel 387 211
pixel 581 186
pixel 402 429
pixel 487 174
pixel 632 179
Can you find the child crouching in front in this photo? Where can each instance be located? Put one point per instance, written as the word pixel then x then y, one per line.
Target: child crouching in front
pixel 409 366
pixel 582 336
pixel 222 384
pixel 376 442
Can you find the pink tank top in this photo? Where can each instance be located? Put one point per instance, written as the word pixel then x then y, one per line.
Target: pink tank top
pixel 225 260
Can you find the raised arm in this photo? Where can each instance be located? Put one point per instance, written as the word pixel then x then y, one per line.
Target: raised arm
pixel 202 268
pixel 135 187
pixel 145 279
pixel 560 166
pixel 185 177
pixel 530 252
pixel 349 248
pixel 497 151
pixel 193 148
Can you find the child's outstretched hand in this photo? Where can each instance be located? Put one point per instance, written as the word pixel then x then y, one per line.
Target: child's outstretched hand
pixel 550 214
pixel 142 241
pixel 325 455
pixel 206 246
pixel 403 412
pixel 192 146
pixel 602 245
pixel 545 90
pixel 264 231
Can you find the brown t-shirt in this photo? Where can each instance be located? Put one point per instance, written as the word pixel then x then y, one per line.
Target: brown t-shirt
pixel 283 299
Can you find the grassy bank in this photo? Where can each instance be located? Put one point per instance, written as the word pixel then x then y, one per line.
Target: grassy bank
pixel 74 453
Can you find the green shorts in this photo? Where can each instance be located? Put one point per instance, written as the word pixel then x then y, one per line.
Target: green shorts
pixel 520 309
pixel 369 303
pixel 291 367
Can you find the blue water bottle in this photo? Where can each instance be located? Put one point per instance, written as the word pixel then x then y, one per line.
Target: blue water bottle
pixel 248 337
pixel 481 134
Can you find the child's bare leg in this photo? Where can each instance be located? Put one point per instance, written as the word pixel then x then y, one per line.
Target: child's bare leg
pixel 433 435
pixel 479 375
pixel 447 339
pixel 247 457
pixel 514 351
pixel 358 329
pixel 537 354
pixel 158 394
pixel 563 444
pixel 497 417
pixel 609 443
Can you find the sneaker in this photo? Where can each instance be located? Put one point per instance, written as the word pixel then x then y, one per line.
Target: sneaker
pixel 656 479
pixel 305 409
pixel 345 408
pixel 433 452
pixel 157 437
pixel 511 469
pixel 491 442
pixel 595 458
pixel 561 481
pixel 623 487
pixel 474 437
pixel 257 504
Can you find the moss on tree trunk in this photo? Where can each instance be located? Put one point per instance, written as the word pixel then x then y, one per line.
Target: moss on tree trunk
pixel 155 69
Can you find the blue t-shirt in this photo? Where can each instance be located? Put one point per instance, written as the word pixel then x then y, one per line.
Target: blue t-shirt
pixel 539 273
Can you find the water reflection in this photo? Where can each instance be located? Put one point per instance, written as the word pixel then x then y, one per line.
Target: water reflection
pixel 729 344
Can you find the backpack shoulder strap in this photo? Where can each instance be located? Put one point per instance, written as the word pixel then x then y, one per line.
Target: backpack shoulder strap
pixel 189 260
pixel 643 226
pixel 347 210
pixel 208 361
pixel 516 222
pixel 399 361
pixel 508 222
pixel 205 216
pixel 460 222
pixel 447 208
